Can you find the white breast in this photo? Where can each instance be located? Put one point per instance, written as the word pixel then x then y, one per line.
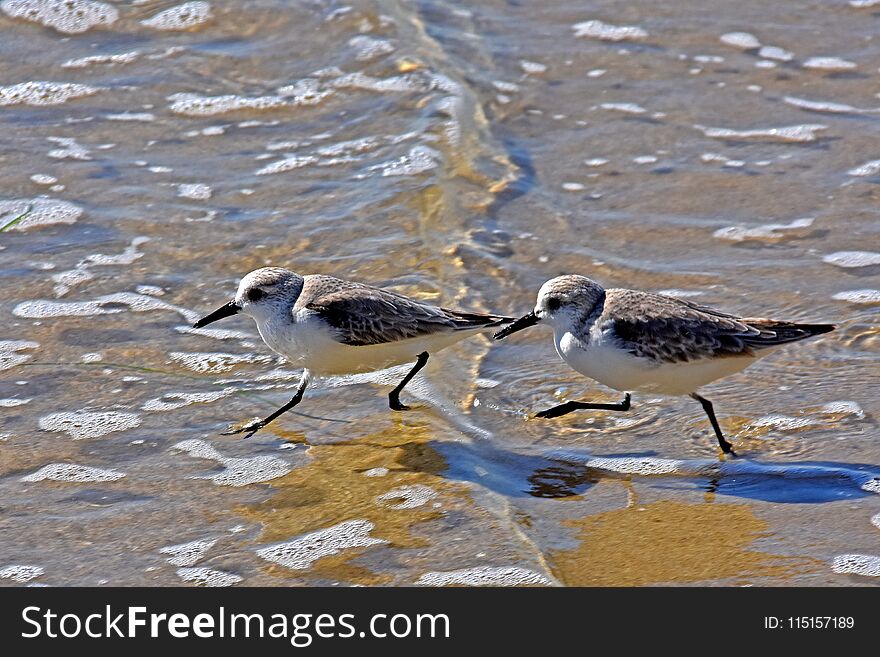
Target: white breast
pixel 603 360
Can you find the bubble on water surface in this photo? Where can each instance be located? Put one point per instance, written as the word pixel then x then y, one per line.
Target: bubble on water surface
pixel 208 577
pixel 532 68
pixel 829 64
pixel 197 191
pixel 21 574
pixel 43 179
pixel 853 259
pixel 85 424
pixel 12 403
pixel 626 108
pixel 856 564
pixel 121 58
pixel 9 356
pixel 66 16
pixel 765 233
pixel 485 576
pixel 43 93
pixel 187 554
pixel 71 472
pixel 774 52
pixel 175 400
pixel 181 17
pixel 367 47
pixel 606 32
pixel 868 169
pixel 237 471
pixel 43 212
pixel 743 40
pixel 302 552
pixel 407 497
pixel 648 465
pixel 858 296
pixel 70 149
pixel 793 133
pixel 214 362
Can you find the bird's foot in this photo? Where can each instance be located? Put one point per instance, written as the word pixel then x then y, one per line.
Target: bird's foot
pixel 248 429
pixel 397 406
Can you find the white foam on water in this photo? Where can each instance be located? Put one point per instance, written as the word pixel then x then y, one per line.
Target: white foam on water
pixel 868 169
pixel 182 17
pixel 303 92
pixel 376 472
pixel 85 424
pixel 287 164
pixel 783 422
pixel 108 304
pixel 859 4
pixel 406 82
pixel 419 160
pixel 214 362
pixel 858 296
pixel 675 292
pixel 853 259
pixel 43 212
pixel 65 16
pixel 70 149
pixel 407 497
pixel 866 565
pixel 21 574
pixel 187 554
pixel 216 333
pixel 626 108
pixel 596 162
pixel 606 32
pixel 237 471
pixel 43 179
pixel 774 52
pixel 120 58
pixel 44 92
pixel 573 186
pixel 765 233
pixel 175 400
pixel 150 290
pixel 485 576
pixel 875 520
pixel 68 279
pixel 71 472
pixel 197 191
pixel 743 40
pixel 144 117
pixel 300 553
pixel 12 403
pixel 208 577
pixel 792 133
pixel 367 47
pixel 824 106
pixel 9 356
pixel 648 465
pixel 829 64
pixel 872 485
pixel 843 408
pixel 532 68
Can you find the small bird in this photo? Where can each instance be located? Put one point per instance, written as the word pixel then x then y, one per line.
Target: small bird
pixel 329 326
pixel 637 341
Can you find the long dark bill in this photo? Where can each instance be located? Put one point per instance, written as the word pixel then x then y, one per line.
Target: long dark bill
pixel 523 322
pixel 227 310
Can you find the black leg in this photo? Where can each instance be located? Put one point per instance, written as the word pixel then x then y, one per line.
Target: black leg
pixel 394 395
pixel 252 427
pixel 568 407
pixel 726 447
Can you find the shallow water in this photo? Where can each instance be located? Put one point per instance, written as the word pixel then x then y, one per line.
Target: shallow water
pixel 726 152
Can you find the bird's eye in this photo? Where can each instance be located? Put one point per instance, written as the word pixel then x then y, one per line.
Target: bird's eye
pixel 553 303
pixel 255 294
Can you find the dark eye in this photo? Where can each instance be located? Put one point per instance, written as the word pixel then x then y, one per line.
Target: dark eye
pixel 553 303
pixel 255 294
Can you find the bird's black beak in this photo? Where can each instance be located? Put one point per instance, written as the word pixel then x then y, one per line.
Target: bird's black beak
pixel 227 310
pixel 523 322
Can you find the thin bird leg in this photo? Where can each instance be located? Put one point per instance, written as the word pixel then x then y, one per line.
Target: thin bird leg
pixel 570 406
pixel 394 395
pixel 252 427
pixel 726 447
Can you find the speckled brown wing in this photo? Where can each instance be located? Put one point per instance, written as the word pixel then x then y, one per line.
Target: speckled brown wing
pixel 666 329
pixel 365 315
